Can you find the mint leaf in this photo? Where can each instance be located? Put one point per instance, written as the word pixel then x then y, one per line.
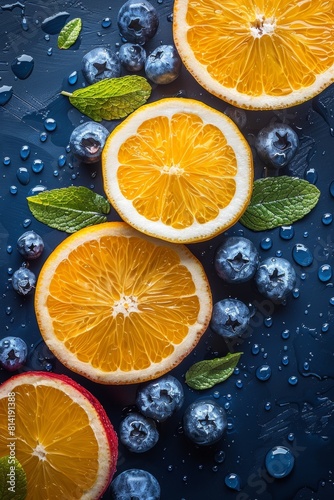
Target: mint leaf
pixel 207 373
pixel 69 209
pixel 69 33
pixel 111 98
pixel 278 201
pixel 13 481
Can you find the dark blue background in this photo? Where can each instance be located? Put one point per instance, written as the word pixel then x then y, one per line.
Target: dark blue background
pixel 306 409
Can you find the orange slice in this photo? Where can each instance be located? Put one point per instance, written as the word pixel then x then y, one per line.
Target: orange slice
pixel 60 434
pixel 119 307
pixel 178 170
pixel 257 54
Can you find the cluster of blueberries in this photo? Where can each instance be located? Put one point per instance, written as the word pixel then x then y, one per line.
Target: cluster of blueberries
pixel 237 261
pixel 204 423
pixel 13 350
pixel 137 22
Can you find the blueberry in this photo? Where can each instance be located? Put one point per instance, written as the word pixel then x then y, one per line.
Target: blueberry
pixel 230 318
pixel 277 144
pixel 135 484
pixel 13 353
pixel 163 65
pixel 236 259
pixel 160 398
pixel 137 21
pixel 132 56
pixel 30 245
pixel 100 63
pixel 87 141
pixel 275 278
pixel 23 281
pixel 204 422
pixel 138 433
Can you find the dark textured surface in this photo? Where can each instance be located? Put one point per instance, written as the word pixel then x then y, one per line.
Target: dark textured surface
pixel 306 409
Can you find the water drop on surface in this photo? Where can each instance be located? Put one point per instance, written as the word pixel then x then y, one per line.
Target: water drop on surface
pixel 37 189
pixel 302 255
pixel 49 51
pixel 47 38
pixel 268 321
pixel 287 232
pixel 255 349
pixel 232 481
pixel 293 380
pixel 216 394
pixel 327 219
pixel 37 166
pixel 331 301
pixel 61 160
pixel 9 249
pixel 325 273
pixel 23 176
pixel 25 152
pixel 311 175
pixel 263 373
pixel 267 406
pixel 279 462
pixel 219 456
pixel 53 24
pixel 24 24
pixel 291 436
pixel 43 136
pixel 285 334
pixel 239 384
pixel 6 161
pixel 325 327
pixel 106 22
pixel 13 189
pixel 6 93
pixel 296 293
pixel 266 243
pixel 306 366
pixel 22 66
pixel 50 124
pixel 26 223
pixel 331 188
pixel 73 78
pixel 285 360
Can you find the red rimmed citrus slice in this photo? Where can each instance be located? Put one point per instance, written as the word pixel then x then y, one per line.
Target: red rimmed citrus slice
pixel 60 434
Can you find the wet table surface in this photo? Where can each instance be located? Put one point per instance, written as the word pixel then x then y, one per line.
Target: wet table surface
pixel 294 339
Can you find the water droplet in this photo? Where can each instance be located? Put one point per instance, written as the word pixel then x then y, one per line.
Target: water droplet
pixel 6 161
pixel 228 397
pixel 170 18
pixel 302 255
pixel 285 334
pixel 278 253
pixel 43 136
pixel 305 234
pixel 227 405
pixel 255 349
pixel 219 456
pixel 73 78
pixel 47 38
pixel 303 276
pixel 55 173
pixel 9 249
pixel 267 406
pixel 37 166
pixel 331 188
pixel 236 371
pixel 36 190
pixel 287 232
pixel 266 243
pixel 291 436
pixel 68 148
pixel 293 380
pixel 8 312
pixel 23 175
pixel 24 23
pixel 13 189
pixel 285 360
pixel 325 327
pixel 6 93
pixel 53 24
pixel 48 367
pixel 306 366
pixel 49 51
pixel 263 373
pixel 170 468
pixel 279 461
pixel 22 66
pixel 106 22
pixel 50 124
pixel 10 271
pixel 331 301
pixel 311 175
pixel 296 293
pixel 268 321
pixel 239 384
pixel 26 223
pixel 325 273
pixel 216 394
pixel 25 152
pixel 327 219
pixel 232 481
pixel 61 160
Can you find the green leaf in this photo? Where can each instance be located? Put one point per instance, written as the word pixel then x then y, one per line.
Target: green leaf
pixel 13 481
pixel 69 34
pixel 207 373
pixel 279 201
pixel 69 209
pixel 111 98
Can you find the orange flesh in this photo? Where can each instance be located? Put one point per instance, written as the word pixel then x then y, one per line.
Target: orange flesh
pixel 51 449
pixel 130 302
pixel 262 47
pixel 184 165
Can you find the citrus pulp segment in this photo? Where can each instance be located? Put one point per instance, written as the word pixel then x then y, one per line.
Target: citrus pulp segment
pixel 60 434
pixel 178 170
pixel 257 54
pixel 120 307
